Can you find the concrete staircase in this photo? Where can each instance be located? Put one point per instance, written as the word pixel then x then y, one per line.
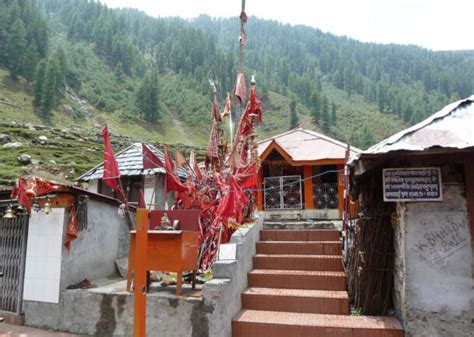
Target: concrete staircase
pixel 298 289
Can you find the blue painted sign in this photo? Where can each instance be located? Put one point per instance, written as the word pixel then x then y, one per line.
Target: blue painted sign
pixel 412 184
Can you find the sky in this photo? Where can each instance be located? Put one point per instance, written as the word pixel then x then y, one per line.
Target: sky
pixel 433 24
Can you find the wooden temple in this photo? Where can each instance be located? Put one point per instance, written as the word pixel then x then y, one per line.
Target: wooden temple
pixel 302 175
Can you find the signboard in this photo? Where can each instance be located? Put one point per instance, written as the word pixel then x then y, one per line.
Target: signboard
pixel 412 184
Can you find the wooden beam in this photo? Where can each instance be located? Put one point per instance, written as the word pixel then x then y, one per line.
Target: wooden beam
pixel 469 176
pixel 340 189
pixel 308 188
pixel 140 271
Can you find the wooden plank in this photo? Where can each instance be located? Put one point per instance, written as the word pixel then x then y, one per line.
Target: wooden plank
pixel 308 187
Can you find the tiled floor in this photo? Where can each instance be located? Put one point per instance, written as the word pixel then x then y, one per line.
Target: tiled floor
pixel 23 331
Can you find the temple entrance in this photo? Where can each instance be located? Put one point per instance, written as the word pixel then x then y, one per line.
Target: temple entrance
pixel 283 192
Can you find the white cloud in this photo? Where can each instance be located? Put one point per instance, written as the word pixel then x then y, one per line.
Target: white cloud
pixel 435 24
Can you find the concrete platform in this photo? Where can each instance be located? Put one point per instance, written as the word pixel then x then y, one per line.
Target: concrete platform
pixel 24 331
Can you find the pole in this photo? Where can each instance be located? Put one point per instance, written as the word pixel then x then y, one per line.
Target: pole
pixel 140 271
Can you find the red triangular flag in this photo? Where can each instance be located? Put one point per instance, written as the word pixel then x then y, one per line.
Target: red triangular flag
pixel 180 160
pixel 111 170
pixel 240 87
pixel 150 159
pixel 172 182
pixel 111 173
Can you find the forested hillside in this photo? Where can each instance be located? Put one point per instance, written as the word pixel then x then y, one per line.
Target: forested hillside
pixel 148 77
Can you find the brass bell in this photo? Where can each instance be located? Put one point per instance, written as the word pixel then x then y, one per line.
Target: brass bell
pixel 47 206
pixel 9 213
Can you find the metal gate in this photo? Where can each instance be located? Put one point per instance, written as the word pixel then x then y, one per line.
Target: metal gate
pixel 283 192
pixel 13 236
pixel 326 195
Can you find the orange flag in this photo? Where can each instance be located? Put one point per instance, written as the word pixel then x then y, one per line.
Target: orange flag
pixel 180 160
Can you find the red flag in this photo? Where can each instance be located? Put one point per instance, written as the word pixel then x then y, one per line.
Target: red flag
pixel 150 159
pixel 180 160
pixel 71 231
pixel 255 104
pixel 194 166
pixel 240 88
pixel 213 145
pixel 111 170
pixel 172 182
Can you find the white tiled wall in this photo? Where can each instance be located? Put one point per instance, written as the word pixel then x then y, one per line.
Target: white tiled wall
pixel 43 256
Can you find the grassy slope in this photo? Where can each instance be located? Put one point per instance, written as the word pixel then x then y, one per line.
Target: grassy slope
pixel 181 121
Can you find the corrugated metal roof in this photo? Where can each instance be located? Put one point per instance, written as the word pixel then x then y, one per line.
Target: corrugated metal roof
pixel 130 162
pixel 451 127
pixel 304 145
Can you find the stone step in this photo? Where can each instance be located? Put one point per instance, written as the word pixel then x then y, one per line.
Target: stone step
pixel 300 235
pixel 258 323
pixel 297 279
pixel 296 300
pixel 299 247
pixel 298 262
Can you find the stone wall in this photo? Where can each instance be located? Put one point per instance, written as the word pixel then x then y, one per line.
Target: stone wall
pixel 109 312
pixel 433 257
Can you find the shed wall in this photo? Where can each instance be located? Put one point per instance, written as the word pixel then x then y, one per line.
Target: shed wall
pixel 433 276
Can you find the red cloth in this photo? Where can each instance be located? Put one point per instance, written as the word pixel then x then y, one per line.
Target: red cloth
pixel 172 182
pixel 215 115
pixel 71 231
pixel 25 191
pixel 111 173
pixel 255 106
pixel 248 176
pixel 150 159
pixel 213 145
pixel 240 88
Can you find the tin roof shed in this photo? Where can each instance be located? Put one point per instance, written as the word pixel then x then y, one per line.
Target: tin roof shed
pixel 130 162
pixel 300 145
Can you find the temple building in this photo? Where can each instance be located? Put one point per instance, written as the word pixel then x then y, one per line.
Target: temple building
pixel 301 175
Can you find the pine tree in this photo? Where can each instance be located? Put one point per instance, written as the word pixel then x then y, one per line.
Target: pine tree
pixel 315 107
pixel 15 48
pixel 30 62
pixel 294 120
pixel 60 65
pixel 333 113
pixel 49 88
pixel 40 78
pixel 147 98
pixel 325 115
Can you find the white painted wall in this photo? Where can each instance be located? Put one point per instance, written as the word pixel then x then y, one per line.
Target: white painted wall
pixel 43 256
pixel 93 185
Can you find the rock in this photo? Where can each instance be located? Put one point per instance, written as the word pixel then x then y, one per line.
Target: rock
pixel 68 110
pixel 36 162
pixel 12 145
pixel 25 159
pixel 42 138
pixel 52 162
pixel 4 139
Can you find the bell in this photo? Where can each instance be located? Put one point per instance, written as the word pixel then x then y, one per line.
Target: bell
pixel 47 207
pixel 9 213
